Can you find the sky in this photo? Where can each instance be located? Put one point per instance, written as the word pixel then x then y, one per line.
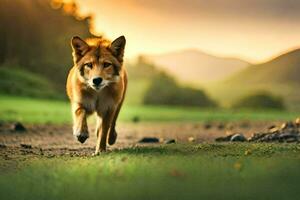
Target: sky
pixel 253 30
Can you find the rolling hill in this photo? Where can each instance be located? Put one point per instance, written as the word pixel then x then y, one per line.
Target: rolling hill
pixel 281 76
pixel 196 67
pixel 282 70
pixel 20 82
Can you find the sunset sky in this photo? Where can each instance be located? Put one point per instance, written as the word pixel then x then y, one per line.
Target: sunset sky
pixel 254 30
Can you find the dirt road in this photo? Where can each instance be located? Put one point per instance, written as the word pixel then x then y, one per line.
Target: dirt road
pixel 56 140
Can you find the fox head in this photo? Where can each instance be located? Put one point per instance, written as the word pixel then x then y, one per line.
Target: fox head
pixel 97 61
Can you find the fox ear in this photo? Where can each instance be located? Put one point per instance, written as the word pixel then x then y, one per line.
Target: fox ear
pixel 80 47
pixel 117 47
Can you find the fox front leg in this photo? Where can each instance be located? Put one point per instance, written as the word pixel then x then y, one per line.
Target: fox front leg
pixel 102 138
pixel 80 128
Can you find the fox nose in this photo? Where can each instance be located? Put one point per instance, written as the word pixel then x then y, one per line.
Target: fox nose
pixel 97 81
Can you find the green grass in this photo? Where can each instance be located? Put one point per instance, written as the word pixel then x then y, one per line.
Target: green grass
pixel 204 171
pixel 30 110
pixel 34 110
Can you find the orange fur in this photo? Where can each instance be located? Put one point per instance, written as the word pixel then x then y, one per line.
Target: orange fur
pixel 99 59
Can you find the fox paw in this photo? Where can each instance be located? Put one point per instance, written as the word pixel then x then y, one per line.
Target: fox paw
pixel 112 137
pixel 81 135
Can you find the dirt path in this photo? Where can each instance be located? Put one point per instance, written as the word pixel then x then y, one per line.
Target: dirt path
pixel 56 140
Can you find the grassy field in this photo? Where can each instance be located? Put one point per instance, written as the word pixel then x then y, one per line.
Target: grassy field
pixel 175 171
pixel 186 171
pixel 30 110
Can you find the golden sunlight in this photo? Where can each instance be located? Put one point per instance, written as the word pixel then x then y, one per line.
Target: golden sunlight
pixel 153 28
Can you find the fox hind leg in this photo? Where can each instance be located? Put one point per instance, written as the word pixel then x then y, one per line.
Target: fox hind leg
pixel 112 137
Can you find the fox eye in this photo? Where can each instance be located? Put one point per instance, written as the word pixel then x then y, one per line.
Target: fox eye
pixel 89 65
pixel 106 64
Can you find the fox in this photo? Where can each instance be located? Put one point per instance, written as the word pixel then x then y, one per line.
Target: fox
pixel 97 83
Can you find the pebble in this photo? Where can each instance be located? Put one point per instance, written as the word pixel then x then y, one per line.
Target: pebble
pixel 297 121
pixel 149 140
pixel 136 119
pixel 224 139
pixel 18 127
pixel 26 146
pixel 170 141
pixel 191 139
pixel 287 132
pixel 271 127
pixel 207 126
pixel 274 130
pixel 238 138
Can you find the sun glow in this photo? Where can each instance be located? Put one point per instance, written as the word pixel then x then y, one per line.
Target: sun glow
pixel 150 29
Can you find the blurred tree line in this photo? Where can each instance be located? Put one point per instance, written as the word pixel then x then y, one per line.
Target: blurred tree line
pixel 163 89
pixel 260 100
pixel 36 37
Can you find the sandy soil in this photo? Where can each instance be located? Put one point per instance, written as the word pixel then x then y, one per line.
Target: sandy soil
pixel 57 140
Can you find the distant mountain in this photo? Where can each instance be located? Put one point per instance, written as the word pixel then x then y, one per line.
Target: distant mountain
pixel 280 76
pixel 197 67
pixel 283 69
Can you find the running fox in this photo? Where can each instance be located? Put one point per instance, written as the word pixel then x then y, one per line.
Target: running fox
pixel 97 83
